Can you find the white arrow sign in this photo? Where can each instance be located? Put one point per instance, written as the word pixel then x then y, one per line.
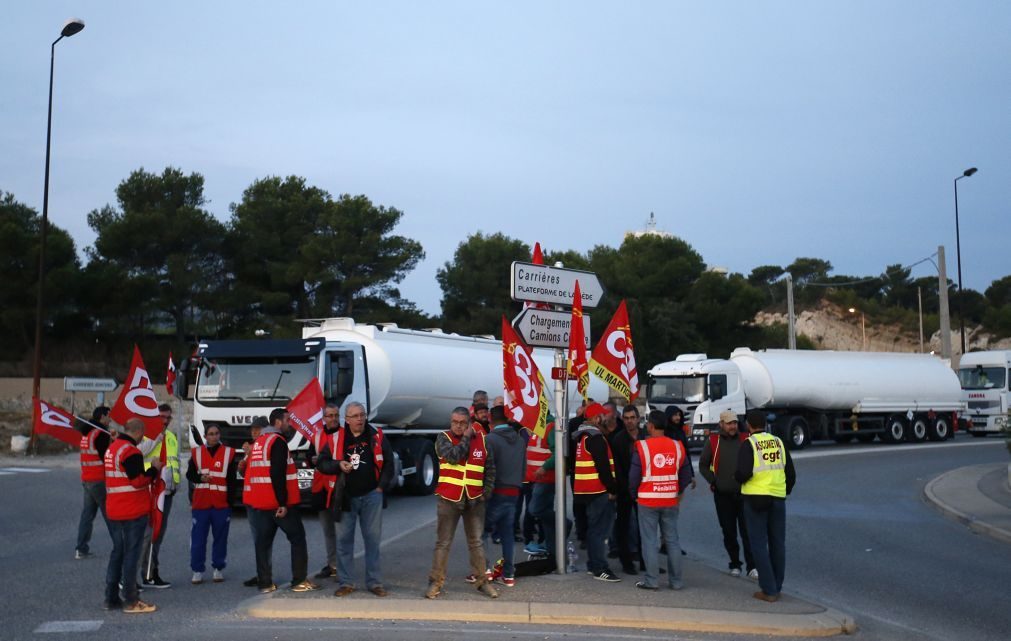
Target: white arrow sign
pixel 548 328
pixel 543 284
pixel 71 384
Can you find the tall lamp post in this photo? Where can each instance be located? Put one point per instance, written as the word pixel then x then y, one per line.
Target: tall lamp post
pixel 958 256
pixel 863 328
pixel 71 27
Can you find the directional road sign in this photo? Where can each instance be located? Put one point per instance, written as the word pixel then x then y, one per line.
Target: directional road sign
pixel 543 284
pixel 548 328
pixel 71 384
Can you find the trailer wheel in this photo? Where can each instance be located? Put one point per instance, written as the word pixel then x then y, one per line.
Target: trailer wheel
pixel 865 437
pixel 917 432
pixel 797 433
pixel 895 429
pixel 426 473
pixel 939 429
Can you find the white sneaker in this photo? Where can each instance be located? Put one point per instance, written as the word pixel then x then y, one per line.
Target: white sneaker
pixel 736 572
pixel 198 578
pixel 753 575
pixel 218 576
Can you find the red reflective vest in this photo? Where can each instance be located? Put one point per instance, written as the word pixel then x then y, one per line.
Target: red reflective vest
pixel 213 493
pixel 586 480
pixel 714 446
pixel 257 491
pixel 324 482
pixel 537 453
pixel 455 477
pixel 661 458
pixel 480 427
pixel 125 500
pixel 91 463
pixel 336 444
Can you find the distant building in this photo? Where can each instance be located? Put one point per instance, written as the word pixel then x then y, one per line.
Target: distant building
pixel 650 230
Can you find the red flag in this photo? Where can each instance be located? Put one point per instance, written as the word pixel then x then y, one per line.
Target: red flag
pixel 525 391
pixel 138 399
pixel 305 411
pixel 613 359
pixel 578 368
pixel 56 422
pixel 157 515
pixel 170 375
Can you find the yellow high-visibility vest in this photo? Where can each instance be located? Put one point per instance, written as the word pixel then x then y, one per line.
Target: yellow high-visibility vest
pixel 769 472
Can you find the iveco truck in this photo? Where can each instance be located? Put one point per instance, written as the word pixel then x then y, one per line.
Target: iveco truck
pixel 985 379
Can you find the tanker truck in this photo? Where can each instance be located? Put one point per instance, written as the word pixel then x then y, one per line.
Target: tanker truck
pixel 984 378
pixel 408 380
pixel 814 394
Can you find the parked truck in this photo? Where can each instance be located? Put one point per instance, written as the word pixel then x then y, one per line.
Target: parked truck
pixel 811 395
pixel 408 380
pixel 985 377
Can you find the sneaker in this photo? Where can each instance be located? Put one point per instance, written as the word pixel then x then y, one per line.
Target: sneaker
pixel 535 548
pixel 735 572
pixel 304 586
pixel 470 578
pixel 327 572
pixel 642 586
pixel 508 581
pixel 198 578
pixel 270 588
pixel 251 583
pixel 156 583
pixel 218 577
pixel 139 608
pixel 434 590
pixel 753 574
pixel 79 556
pixel 488 590
pixel 606 576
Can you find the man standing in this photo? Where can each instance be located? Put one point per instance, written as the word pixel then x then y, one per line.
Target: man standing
pixel 149 562
pixel 595 488
pixel 211 470
pixel 507 449
pixel 541 471
pixel 322 488
pixel 94 442
pixel 717 464
pixel 359 453
pixel 626 527
pixel 259 424
pixel 765 472
pixel 128 506
pixel 659 469
pixel 466 479
pixel 270 491
pixel 480 419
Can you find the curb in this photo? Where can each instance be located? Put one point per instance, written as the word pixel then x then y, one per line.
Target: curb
pixel 974 524
pixel 822 624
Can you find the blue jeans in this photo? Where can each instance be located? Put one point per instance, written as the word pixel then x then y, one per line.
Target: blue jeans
pixel 94 500
pixel 498 521
pixel 127 537
pixel 212 520
pixel 368 509
pixel 663 520
pixel 599 521
pixel 542 508
pixel 767 535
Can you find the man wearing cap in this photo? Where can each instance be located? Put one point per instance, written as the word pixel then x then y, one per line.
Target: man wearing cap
pixel 765 472
pixel 717 464
pixel 594 486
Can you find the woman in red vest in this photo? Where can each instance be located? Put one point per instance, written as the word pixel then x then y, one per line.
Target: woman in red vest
pixel 211 470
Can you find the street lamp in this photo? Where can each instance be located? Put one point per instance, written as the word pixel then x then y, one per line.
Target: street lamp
pixel 863 329
pixel 71 27
pixel 958 256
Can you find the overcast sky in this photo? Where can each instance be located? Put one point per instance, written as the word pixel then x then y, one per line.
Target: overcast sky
pixel 757 131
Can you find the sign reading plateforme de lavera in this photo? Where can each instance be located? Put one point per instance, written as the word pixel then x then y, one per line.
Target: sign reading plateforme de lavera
pixel 548 328
pixel 544 284
pixel 77 384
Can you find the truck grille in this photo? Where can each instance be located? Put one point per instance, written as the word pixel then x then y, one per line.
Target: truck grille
pixel 984 405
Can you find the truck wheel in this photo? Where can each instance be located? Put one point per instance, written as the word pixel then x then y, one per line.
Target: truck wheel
pixel 426 469
pixel 895 430
pixel 939 429
pixel 797 434
pixel 917 432
pixel 865 437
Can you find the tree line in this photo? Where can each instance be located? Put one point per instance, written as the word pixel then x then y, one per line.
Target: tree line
pixel 163 269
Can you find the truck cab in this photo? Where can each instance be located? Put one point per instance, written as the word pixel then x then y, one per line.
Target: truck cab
pixel 985 378
pixel 701 387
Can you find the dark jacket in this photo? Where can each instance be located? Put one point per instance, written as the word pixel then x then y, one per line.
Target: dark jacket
pixel 509 451
pixel 623 450
pixel 328 464
pixel 723 479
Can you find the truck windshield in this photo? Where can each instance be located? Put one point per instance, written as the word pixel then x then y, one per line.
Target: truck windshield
pixel 982 377
pixel 678 389
pixel 255 381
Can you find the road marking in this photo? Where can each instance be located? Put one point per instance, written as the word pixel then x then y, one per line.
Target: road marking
pixel 2 473
pixel 29 470
pixel 888 449
pixel 68 626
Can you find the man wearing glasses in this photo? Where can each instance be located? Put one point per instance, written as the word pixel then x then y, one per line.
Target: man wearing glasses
pixel 170 474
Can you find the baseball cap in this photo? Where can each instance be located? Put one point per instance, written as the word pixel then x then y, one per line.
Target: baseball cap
pixel 595 409
pixel 726 416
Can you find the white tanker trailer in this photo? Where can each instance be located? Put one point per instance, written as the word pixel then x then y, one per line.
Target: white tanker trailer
pixel 408 380
pixel 814 394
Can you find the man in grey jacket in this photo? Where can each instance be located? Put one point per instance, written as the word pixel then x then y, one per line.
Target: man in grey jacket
pixel 509 451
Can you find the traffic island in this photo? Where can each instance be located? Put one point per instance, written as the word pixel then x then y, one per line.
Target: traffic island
pixel 976 496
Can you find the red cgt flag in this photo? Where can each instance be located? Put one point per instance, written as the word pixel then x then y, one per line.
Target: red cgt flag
pixel 157 514
pixel 138 399
pixel 578 368
pixel 613 359
pixel 305 411
pixel 56 422
pixel 170 375
pixel 525 390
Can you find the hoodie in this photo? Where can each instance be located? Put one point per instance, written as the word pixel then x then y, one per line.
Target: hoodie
pixel 509 450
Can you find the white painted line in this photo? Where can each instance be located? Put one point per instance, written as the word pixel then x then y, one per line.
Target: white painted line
pixel 30 470
pixel 397 537
pixel 68 626
pixel 2 473
pixel 888 449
